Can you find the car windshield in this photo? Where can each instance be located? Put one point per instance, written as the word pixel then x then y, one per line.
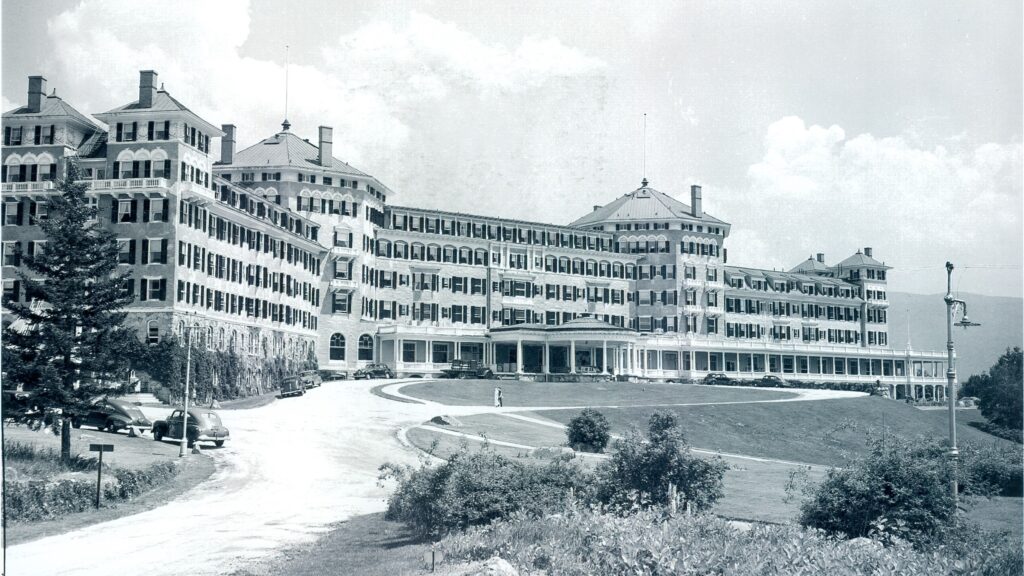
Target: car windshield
pixel 205 417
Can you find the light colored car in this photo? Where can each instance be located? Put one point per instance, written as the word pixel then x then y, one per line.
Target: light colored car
pixel 311 378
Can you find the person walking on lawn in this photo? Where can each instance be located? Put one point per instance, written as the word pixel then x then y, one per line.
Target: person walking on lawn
pixel 498 400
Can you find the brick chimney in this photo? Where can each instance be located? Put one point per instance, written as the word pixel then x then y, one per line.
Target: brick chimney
pixel 147 88
pixel 36 92
pixel 227 144
pixel 867 251
pixel 695 203
pixel 326 145
pixel 821 257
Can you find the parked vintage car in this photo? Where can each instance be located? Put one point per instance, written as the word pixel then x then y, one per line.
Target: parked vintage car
pixel 110 414
pixel 373 371
pixel 292 386
pixel 311 378
pixel 716 378
pixel 467 369
pixel 204 425
pixel 333 375
pixel 592 373
pixel 771 381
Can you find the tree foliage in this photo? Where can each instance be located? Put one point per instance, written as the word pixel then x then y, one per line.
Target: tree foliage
pixel 641 469
pixel 1000 392
pixel 588 431
pixel 68 341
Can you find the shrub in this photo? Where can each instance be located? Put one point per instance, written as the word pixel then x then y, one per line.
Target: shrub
pixel 131 483
pixel 640 471
pixel 585 542
pixel 474 488
pixel 899 485
pixel 992 469
pixel 589 431
pixel 1000 398
pixel 999 431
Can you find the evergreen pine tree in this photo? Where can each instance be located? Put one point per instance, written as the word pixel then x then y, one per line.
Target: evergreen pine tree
pixel 68 341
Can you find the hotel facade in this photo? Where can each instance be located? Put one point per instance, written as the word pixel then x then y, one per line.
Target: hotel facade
pixel 282 250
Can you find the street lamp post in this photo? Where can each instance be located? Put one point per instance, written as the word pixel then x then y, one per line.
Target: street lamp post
pixel 952 304
pixel 188 373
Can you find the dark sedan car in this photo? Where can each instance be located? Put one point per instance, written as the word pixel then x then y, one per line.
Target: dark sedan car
pixel 204 425
pixel 110 414
pixel 716 378
pixel 770 381
pixel 373 371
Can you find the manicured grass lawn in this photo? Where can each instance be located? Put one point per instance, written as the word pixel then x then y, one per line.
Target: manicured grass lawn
pixel 516 393
pixel 827 432
pixel 364 545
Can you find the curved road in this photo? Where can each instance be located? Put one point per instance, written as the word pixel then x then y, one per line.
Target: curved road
pixel 290 469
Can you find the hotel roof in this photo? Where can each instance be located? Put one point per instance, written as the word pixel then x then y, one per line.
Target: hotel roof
pixel 162 102
pixel 810 266
pixel 861 259
pixel 54 107
pixel 287 149
pixel 644 203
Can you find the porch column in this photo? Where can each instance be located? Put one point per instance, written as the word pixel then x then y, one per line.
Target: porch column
pixel 519 356
pixel 604 357
pixel 572 356
pixel 660 359
pixel 398 355
pixel 430 352
pixel 546 360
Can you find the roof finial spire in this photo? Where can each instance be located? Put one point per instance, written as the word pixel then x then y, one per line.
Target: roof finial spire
pixel 286 124
pixel 644 166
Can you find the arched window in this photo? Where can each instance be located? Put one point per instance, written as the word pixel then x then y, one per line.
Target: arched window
pixel 366 347
pixel 152 332
pixel 337 346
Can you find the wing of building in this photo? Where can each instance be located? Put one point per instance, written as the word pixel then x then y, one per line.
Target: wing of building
pixel 282 248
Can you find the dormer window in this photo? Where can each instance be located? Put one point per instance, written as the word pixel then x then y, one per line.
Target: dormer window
pixel 15 139
pixel 128 132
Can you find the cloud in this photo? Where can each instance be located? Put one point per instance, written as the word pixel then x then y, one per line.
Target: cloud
pixel 819 191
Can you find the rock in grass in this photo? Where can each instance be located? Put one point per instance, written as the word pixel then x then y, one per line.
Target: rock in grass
pixel 446 421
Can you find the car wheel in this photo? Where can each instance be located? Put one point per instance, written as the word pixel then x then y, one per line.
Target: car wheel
pixel 112 427
pixel 218 443
pixel 76 422
pixel 158 435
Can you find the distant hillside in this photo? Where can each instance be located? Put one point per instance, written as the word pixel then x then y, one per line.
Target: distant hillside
pixel 978 347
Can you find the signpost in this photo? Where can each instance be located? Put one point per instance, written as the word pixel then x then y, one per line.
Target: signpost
pixel 101 448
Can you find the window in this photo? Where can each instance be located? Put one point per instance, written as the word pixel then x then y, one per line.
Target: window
pixel 11 254
pixel 126 251
pixel 12 213
pixel 124 211
pixel 340 303
pixel 152 333
pixel 156 251
pixel 337 346
pixel 366 347
pixel 15 139
pixel 408 351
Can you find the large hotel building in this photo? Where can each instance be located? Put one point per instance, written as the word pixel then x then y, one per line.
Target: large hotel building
pixel 281 251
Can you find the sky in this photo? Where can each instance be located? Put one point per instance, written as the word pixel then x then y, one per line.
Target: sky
pixel 813 126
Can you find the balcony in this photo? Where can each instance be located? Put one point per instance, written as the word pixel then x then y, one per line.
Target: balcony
pixel 129 184
pixel 28 186
pixel 344 250
pixel 343 284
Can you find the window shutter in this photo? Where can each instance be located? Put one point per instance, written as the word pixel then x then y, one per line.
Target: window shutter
pixel 163 288
pixel 7 135
pixel 131 251
pixel 119 128
pixel 163 251
pixel 31 248
pixel 21 213
pixel 33 172
pixel 32 212
pixel 113 208
pixel 53 134
pixel 135 130
pixel 117 170
pixel 53 171
pixel 143 289
pixel 17 291
pixel 17 253
pixel 135 211
pixel 147 169
pixel 38 135
pixel 149 130
pixel 135 169
pixel 145 210
pixel 166 209
pixel 131 286
pixel 145 251
pixel 167 130
pixel 3 173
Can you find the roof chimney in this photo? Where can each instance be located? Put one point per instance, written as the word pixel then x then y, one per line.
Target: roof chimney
pixel 596 206
pixel 821 257
pixel 867 251
pixel 36 92
pixel 147 88
pixel 695 203
pixel 326 146
pixel 227 144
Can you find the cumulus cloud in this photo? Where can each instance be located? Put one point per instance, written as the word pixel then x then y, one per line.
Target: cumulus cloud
pixel 819 191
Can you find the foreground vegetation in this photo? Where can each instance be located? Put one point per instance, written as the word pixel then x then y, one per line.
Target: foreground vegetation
pixel 40 485
pixel 582 541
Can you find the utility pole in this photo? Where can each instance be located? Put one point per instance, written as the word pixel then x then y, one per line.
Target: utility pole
pixel 188 373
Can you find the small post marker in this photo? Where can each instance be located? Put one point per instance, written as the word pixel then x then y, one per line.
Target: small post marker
pixel 101 448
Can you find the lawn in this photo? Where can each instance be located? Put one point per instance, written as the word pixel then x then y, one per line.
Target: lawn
pixel 829 432
pixel 516 393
